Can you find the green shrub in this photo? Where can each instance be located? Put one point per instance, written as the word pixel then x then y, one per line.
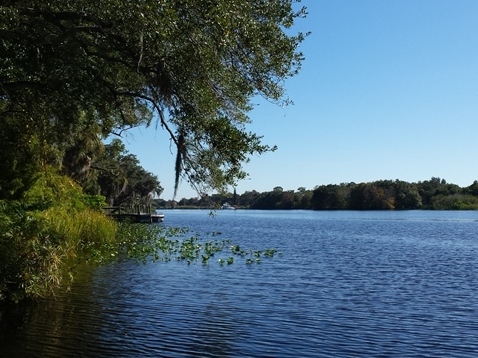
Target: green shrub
pixel 52 224
pixel 55 228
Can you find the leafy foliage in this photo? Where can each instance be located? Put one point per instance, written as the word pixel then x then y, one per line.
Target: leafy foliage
pixel 160 244
pixel 55 229
pixel 71 71
pixel 42 232
pixel 121 179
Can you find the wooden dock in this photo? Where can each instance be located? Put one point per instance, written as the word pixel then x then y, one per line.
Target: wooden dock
pixel 139 218
pixel 120 214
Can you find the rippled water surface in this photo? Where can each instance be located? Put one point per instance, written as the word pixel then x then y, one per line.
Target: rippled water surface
pixel 348 284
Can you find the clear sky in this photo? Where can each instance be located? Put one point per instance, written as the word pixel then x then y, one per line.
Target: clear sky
pixel 388 90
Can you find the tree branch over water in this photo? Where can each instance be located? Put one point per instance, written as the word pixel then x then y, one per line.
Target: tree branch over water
pixel 197 64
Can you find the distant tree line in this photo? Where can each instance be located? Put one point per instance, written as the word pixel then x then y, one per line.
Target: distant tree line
pixel 433 194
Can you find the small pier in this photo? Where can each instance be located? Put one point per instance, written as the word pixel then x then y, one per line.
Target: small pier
pixel 136 216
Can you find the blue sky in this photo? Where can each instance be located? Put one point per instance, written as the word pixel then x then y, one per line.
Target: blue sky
pixel 388 90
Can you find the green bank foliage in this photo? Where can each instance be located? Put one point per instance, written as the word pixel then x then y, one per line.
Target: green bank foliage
pixel 40 233
pixel 433 194
pixel 75 73
pixel 55 229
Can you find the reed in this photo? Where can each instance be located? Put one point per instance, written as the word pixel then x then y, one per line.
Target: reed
pixel 46 236
pixel 41 233
pixel 77 228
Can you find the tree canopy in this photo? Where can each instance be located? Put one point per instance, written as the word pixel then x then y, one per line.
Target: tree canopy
pixel 75 71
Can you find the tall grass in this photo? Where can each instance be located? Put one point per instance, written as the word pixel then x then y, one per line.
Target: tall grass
pixel 35 248
pixel 77 228
pixel 55 226
pixel 41 233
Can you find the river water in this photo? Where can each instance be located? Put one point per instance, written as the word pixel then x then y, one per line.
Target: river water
pixel 348 284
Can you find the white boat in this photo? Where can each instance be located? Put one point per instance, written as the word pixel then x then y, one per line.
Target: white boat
pixel 227 206
pixel 157 218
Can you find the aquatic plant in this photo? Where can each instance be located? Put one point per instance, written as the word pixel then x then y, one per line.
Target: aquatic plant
pixel 46 237
pixel 166 244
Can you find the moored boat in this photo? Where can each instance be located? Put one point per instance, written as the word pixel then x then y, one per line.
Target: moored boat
pixel 157 218
pixel 227 206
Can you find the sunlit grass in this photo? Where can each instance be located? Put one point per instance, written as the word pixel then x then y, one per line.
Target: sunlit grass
pixel 42 251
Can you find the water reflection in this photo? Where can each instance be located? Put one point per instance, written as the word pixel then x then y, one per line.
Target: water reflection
pixel 54 327
pixel 347 286
pixel 214 334
pixel 161 315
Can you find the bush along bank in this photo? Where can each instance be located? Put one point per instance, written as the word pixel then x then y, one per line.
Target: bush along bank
pixel 48 235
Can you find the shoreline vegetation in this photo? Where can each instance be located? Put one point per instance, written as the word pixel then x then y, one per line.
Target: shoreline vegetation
pixel 55 231
pixel 433 194
pixel 75 74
